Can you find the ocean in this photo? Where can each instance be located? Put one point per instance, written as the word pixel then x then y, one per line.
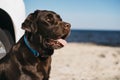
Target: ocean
pixel 95 36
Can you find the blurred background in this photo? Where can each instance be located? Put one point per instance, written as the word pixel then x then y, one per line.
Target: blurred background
pixel 96 21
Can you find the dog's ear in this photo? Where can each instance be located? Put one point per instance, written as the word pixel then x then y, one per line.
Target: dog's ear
pixel 29 24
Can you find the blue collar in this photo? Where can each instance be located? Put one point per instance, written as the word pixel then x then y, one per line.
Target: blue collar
pixel 34 52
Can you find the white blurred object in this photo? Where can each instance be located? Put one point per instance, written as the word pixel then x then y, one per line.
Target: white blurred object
pixel 16 10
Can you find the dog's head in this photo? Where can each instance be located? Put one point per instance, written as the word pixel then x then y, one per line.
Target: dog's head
pixel 47 28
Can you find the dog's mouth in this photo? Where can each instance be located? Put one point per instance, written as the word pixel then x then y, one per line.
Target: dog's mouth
pixel 57 43
pixel 62 42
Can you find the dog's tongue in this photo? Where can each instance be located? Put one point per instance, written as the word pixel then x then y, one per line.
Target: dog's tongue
pixel 62 41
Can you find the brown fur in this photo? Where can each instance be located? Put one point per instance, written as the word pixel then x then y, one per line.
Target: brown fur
pixel 42 28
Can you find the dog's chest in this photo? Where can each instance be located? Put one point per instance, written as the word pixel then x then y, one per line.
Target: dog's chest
pixel 30 72
pixel 35 72
pixel 31 77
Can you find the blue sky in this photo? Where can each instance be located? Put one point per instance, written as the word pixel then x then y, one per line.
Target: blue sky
pixel 82 14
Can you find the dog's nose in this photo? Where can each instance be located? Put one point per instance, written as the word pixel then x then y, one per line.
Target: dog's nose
pixel 67 26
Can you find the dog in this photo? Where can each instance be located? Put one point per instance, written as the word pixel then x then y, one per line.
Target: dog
pixel 30 57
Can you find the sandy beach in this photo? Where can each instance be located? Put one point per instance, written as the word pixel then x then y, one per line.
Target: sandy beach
pixel 83 61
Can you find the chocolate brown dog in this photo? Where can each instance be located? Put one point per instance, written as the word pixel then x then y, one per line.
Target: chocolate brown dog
pixel 30 57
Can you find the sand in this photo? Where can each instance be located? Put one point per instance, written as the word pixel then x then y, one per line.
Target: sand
pixel 80 61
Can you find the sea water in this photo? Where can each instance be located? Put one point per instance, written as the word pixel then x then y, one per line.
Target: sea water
pixel 95 36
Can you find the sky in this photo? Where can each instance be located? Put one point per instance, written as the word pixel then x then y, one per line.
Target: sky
pixel 82 14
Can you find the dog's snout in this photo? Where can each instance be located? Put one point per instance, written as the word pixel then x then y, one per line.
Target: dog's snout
pixel 67 25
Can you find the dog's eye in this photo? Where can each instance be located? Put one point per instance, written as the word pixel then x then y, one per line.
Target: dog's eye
pixel 50 18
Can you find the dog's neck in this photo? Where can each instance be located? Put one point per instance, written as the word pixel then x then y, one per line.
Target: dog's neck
pixel 33 51
pixel 37 52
